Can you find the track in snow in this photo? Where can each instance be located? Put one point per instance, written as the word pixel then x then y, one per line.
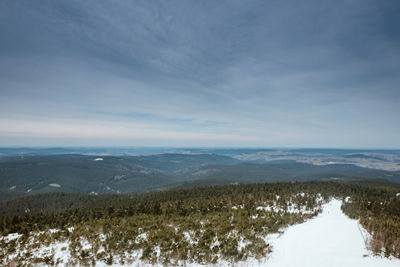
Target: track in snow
pixel 331 239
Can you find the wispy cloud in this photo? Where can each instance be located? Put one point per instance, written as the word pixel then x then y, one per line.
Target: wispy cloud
pixel 273 73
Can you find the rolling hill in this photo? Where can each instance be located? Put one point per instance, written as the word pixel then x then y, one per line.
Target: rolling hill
pixel 137 174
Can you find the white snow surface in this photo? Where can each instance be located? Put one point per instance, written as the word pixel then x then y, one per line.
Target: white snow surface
pixel 330 239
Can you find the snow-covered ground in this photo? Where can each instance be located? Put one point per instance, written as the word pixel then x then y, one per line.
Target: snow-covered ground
pixel 331 239
pixel 328 240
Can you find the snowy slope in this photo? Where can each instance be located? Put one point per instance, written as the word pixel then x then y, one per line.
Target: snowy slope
pixel 331 239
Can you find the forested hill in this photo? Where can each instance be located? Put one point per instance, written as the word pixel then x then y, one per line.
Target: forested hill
pixel 95 174
pixel 137 174
pixel 283 171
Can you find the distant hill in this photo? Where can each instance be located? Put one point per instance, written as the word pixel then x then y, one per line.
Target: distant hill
pixel 177 163
pixel 94 174
pixel 137 174
pixel 281 171
pixel 76 173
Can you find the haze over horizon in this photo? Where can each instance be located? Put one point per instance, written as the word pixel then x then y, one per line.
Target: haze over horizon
pixel 200 73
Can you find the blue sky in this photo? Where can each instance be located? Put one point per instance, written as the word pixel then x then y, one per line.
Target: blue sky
pixel 200 73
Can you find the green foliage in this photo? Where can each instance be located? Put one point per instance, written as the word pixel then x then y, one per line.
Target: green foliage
pixel 200 225
pixel 378 211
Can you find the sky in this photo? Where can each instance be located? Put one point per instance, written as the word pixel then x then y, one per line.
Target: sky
pixel 312 73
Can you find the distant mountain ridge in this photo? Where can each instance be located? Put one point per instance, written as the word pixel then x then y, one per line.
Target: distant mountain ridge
pixel 136 174
pixel 97 175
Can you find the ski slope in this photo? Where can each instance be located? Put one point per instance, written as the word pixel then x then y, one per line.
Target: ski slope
pixel 331 239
